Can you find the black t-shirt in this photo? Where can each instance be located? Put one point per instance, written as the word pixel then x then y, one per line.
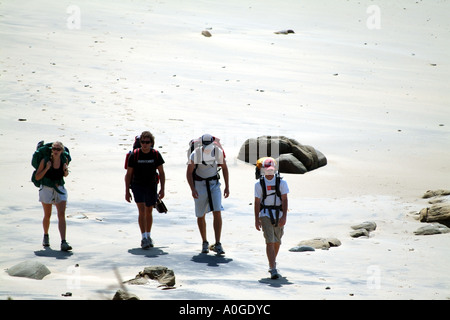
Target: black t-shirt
pixel 144 169
pixel 55 174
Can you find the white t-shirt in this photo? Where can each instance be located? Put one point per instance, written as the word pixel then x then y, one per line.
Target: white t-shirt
pixel 209 167
pixel 270 191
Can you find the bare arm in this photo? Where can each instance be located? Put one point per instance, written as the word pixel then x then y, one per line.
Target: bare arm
pixel 162 180
pixel 257 206
pixel 226 191
pixel 190 178
pixel 42 169
pixel 128 176
pixel 284 204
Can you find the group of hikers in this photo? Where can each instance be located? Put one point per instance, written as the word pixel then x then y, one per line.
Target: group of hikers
pixel 145 171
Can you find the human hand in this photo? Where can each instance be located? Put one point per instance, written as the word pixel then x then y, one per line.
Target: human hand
pixel 282 221
pixel 128 196
pixel 258 224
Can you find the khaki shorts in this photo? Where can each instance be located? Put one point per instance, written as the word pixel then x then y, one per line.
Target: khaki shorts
pixel 202 202
pixel 272 234
pixel 49 195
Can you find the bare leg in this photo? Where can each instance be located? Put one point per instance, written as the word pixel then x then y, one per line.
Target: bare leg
pixel 47 214
pixel 217 225
pixel 272 252
pixel 201 222
pixel 61 208
pixel 145 217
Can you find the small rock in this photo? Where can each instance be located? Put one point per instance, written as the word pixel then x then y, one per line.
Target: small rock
pixel 320 243
pixel 206 33
pixel 284 31
pixel 434 228
pixel 162 274
pixel 301 249
pixel 368 225
pixel 29 269
pixel 359 233
pixel 435 193
pixel 124 295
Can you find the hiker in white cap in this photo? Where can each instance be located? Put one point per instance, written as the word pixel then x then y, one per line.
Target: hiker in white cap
pixel 203 177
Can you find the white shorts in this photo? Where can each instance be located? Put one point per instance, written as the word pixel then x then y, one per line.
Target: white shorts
pixel 49 195
pixel 202 202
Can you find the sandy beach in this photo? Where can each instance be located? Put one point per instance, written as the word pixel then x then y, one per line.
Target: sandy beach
pixel 365 83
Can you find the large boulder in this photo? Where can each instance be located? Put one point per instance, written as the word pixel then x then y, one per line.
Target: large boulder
pixel 29 269
pixel 292 156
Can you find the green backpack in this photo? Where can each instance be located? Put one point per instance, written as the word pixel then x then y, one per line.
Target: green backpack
pixel 44 151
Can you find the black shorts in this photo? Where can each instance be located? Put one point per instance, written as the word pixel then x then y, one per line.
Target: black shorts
pixel 144 194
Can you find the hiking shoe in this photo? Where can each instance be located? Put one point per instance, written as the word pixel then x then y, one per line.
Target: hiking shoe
pixel 46 241
pixel 145 244
pixel 274 274
pixel 218 248
pixel 205 247
pixel 65 246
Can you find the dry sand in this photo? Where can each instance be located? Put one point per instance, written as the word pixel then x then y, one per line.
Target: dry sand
pixel 374 101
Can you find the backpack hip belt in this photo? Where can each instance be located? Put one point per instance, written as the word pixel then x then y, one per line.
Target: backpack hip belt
pixel 208 188
pixel 277 209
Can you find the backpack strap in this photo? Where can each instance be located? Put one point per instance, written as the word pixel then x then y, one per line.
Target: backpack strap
pixel 136 154
pixel 274 207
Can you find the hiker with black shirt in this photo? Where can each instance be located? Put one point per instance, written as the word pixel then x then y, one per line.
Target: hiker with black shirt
pixel 142 178
pixel 270 206
pixel 203 178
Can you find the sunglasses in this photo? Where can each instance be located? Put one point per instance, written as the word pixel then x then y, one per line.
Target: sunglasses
pixel 56 149
pixel 145 142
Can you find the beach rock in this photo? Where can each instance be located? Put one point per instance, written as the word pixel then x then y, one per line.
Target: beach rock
pixel 368 225
pixel 435 193
pixel 206 33
pixel 288 163
pixel 434 228
pixel 438 212
pixel 302 249
pixel 29 269
pixel 124 295
pixel 284 31
pixel 319 243
pixel 162 274
pixel 359 233
pixel 292 156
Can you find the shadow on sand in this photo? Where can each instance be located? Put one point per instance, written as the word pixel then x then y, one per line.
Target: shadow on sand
pixel 276 283
pixel 211 260
pixel 149 253
pixel 49 252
